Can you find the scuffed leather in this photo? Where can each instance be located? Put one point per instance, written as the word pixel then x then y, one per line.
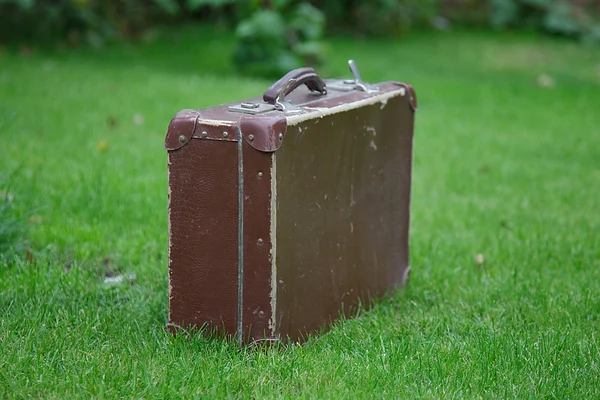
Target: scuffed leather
pixel 263 132
pixel 203 239
pixel 204 131
pixel 343 212
pixel 181 125
pixel 411 93
pixel 343 197
pixel 257 245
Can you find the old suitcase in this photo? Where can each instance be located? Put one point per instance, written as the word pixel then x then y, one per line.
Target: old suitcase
pixel 288 210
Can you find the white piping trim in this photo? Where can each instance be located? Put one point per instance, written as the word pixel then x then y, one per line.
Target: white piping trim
pixel 240 238
pixel 214 122
pixel 170 230
pixel 273 237
pixel 320 112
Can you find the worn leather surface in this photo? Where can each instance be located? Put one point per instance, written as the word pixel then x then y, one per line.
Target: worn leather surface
pixel 302 96
pixel 203 240
pixel 257 245
pixel 181 129
pixel 411 93
pixel 212 132
pixel 343 197
pixel 262 132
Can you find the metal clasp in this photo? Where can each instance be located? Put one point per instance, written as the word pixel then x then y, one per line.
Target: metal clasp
pixel 358 80
pixel 251 108
pixel 348 85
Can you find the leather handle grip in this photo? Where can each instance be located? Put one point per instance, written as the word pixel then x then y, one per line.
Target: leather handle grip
pixel 290 81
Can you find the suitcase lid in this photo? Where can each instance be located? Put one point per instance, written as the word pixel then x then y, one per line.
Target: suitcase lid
pixel 297 96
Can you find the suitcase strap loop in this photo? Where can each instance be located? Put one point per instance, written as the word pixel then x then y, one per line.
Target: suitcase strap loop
pixel 276 93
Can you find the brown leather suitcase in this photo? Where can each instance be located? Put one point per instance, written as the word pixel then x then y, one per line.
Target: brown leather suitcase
pixel 291 209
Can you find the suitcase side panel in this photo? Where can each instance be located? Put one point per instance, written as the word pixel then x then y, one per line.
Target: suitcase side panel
pixel 343 196
pixel 203 234
pixel 257 246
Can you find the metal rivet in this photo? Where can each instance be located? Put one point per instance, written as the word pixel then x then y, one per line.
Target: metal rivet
pixel 204 134
pixel 260 174
pixel 225 134
pixel 280 136
pixel 181 138
pixel 251 137
pixel 260 241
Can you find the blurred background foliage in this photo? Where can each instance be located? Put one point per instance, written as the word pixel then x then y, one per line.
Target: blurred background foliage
pixel 275 36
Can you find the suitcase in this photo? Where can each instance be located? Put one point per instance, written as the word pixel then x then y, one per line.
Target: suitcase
pixel 290 210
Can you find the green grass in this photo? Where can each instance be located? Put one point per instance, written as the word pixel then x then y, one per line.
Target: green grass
pixel 503 168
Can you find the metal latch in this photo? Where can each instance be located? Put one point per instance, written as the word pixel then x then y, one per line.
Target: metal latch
pixel 251 108
pixel 357 83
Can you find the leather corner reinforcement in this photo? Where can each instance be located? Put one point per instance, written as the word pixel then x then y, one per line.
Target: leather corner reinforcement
pixel 264 133
pixel 181 128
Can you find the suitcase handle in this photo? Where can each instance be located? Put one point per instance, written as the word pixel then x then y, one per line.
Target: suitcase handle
pixel 276 93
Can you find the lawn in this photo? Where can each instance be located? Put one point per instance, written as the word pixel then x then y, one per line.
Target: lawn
pixel 504 300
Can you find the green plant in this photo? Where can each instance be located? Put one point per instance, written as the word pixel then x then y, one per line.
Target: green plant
pixel 466 12
pixel 393 17
pixel 579 19
pixel 278 38
pixel 379 17
pixel 95 22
